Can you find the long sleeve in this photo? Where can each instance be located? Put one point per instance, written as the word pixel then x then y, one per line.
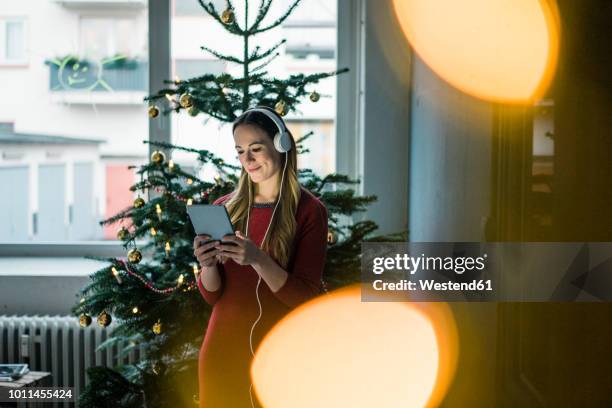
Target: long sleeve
pixel 304 278
pixel 211 297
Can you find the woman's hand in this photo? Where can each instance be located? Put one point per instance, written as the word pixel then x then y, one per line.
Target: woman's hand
pixel 241 249
pixel 206 254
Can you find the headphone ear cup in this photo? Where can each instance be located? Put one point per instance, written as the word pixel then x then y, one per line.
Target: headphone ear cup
pixel 282 144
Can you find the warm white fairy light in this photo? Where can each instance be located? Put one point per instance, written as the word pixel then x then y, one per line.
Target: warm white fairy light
pixel 116 275
pixel 196 270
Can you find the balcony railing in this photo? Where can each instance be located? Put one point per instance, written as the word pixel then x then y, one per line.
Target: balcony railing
pixel 113 81
pixel 95 77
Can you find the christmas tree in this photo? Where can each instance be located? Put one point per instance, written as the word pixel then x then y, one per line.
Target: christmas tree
pixel 153 294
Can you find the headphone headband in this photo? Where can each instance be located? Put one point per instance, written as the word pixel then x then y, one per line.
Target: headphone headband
pixel 282 140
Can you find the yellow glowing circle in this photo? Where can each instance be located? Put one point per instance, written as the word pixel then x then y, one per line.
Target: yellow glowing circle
pixel 500 50
pixel 337 351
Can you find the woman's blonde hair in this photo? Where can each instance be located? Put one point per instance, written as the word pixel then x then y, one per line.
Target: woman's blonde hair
pixel 278 243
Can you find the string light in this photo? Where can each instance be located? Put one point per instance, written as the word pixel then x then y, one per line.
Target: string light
pixel 180 280
pixel 171 164
pixel 135 309
pixel 116 275
pixel 153 232
pixel 148 284
pixel 167 247
pixel 196 270
pixel 189 201
pixel 158 210
pixel 189 181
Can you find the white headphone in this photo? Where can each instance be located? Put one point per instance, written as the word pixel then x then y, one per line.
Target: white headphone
pixel 282 140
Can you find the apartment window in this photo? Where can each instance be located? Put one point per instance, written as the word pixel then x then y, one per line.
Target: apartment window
pixel 12 41
pixel 189 68
pixel 106 37
pixel 192 8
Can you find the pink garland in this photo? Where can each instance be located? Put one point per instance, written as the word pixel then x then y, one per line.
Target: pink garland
pixel 148 284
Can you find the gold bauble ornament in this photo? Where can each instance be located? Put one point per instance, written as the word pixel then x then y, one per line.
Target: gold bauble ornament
pixel 331 238
pixel 123 233
pixel 193 111
pixel 139 202
pixel 134 256
pixel 314 96
pixel 84 320
pixel 153 111
pixel 281 108
pixel 186 100
pixel 157 327
pixel 104 319
pixel 158 157
pixel 158 367
pixel 227 16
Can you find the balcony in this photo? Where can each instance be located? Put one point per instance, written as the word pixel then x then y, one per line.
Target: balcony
pixel 111 81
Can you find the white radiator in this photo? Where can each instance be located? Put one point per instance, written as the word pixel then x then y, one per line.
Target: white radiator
pixel 58 344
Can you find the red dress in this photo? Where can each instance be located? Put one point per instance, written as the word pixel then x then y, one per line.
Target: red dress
pixel 225 356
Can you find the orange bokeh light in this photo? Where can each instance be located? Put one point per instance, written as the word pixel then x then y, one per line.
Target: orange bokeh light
pixel 337 351
pixel 498 50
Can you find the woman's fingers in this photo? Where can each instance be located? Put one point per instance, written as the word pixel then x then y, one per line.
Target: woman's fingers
pixel 198 239
pixel 229 248
pixel 232 238
pixel 208 258
pixel 206 247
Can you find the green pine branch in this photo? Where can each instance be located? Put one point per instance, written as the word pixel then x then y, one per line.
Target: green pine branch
pixel 232 28
pixel 277 22
pixel 256 55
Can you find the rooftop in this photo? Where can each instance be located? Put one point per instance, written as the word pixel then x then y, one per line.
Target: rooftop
pixel 9 136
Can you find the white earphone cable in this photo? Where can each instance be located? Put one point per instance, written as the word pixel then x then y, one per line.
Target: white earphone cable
pixel 259 277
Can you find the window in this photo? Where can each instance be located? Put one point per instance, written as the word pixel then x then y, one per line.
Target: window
pixel 106 37
pixel 189 68
pixel 64 163
pixel 311 43
pixel 189 8
pixel 12 41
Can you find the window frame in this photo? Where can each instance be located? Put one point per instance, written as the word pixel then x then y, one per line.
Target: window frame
pixel 4 61
pixel 349 130
pixel 159 130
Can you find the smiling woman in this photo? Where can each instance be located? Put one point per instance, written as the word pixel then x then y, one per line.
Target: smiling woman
pixel 280 245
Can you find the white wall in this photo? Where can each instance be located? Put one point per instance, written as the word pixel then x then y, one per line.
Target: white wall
pixel 450 193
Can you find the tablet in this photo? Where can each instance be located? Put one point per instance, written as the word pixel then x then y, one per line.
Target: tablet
pixel 210 219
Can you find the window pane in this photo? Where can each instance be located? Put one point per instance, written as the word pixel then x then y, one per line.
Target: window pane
pixel 96 38
pixel 73 145
pixel 14 214
pixel 311 43
pixel 193 8
pixel 15 41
